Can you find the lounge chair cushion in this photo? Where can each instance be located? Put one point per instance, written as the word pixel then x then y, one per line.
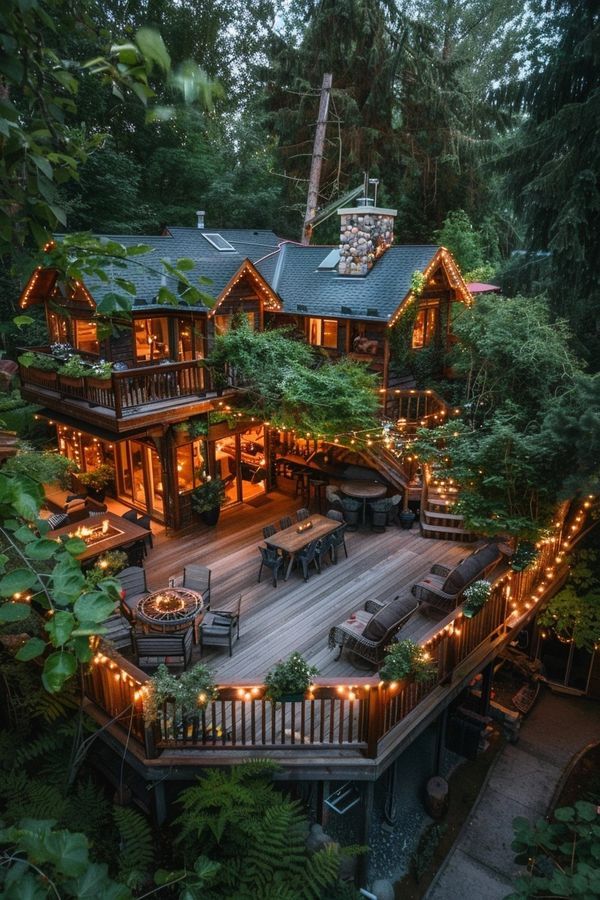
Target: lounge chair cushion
pixel 468 570
pixel 377 627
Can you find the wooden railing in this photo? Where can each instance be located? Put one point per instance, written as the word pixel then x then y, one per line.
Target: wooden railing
pixel 126 391
pixel 337 714
pixel 411 409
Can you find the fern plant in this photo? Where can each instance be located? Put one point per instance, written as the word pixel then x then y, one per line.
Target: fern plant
pixel 136 850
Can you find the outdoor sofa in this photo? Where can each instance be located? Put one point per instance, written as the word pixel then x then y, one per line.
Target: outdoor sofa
pixel 368 632
pixel 442 587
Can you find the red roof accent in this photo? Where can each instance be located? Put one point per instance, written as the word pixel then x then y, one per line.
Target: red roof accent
pixel 477 287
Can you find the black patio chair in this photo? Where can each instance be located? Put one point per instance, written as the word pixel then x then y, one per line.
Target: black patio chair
pixel 135 588
pixel 338 538
pixel 302 514
pixel 271 559
pixel 219 626
pixel 269 531
pixel 197 578
pixel 323 550
pixel 285 522
pixel 307 556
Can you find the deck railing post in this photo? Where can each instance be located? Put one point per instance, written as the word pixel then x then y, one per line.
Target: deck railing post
pixel 373 720
pixel 116 388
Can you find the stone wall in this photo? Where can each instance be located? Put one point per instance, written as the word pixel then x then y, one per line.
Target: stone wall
pixel 364 235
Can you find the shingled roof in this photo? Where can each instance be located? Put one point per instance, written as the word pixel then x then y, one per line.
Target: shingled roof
pixel 220 266
pixel 293 273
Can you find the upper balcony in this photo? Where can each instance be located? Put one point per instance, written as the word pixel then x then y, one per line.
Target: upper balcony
pixel 167 390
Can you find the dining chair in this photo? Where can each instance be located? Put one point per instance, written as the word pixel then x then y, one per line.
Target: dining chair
pixel 219 626
pixel 130 516
pixel 134 588
pixel 268 531
pixel 338 537
pixel 285 522
pixel 323 550
pixel 307 556
pixel 197 578
pixel 168 648
pixel 271 559
pixel 302 514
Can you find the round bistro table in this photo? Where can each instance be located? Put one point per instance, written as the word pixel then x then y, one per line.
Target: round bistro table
pixel 363 490
pixel 171 609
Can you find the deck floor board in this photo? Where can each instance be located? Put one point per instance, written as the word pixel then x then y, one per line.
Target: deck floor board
pixel 295 615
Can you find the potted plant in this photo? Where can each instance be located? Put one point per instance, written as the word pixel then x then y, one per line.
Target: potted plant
pixel 99 374
pixel 208 497
pixel 98 480
pixel 40 366
pixel 524 556
pixel 106 566
pixel 407 660
pixel 198 427
pixel 73 372
pixel 289 679
pixel 181 432
pixel 475 597
pixel 189 692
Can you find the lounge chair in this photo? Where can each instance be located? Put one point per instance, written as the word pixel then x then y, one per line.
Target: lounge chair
pixel 368 632
pixel 443 587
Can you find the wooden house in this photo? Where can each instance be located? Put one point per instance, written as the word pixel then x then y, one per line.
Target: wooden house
pixel 344 300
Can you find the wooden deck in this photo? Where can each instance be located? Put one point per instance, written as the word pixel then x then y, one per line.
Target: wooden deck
pixel 295 615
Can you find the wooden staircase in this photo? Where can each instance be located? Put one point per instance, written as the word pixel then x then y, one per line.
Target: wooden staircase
pixel 437 519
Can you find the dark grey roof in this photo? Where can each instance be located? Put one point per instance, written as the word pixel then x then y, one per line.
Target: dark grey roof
pixel 293 273
pixel 145 271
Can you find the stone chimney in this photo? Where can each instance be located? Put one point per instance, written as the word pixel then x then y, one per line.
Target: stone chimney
pixel 365 233
pixel 200 213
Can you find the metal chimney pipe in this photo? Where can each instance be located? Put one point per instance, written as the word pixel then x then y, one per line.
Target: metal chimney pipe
pixel 200 213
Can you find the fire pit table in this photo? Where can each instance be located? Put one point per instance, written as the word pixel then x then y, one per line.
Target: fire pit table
pixel 171 609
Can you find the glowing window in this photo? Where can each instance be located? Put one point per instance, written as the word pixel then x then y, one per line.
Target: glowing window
pixel 323 332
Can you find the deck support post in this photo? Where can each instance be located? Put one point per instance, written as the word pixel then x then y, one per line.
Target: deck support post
pixel 487 677
pixel 440 742
pixel 362 869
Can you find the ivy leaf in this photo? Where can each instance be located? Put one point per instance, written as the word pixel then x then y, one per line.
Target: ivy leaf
pixel 60 626
pixel 75 546
pixel 58 668
pixel 43 548
pixel 14 612
pixel 93 607
pixel 33 648
pixel 67 580
pixel 16 582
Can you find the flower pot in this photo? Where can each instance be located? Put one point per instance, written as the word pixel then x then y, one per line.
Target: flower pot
pixel 42 376
pixel 291 698
pixel 102 384
pixel 96 493
pixel 210 516
pixel 469 612
pixel 407 519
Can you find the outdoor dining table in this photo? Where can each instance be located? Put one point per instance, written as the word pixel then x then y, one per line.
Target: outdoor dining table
pixel 298 536
pixel 106 531
pixel 363 490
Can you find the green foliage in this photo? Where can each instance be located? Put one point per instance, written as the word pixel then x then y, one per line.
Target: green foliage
pixel 286 383
pixel 551 164
pixel 562 856
pixel 98 478
pixel 188 692
pixel 258 836
pixel 574 612
pixel 42 361
pixel 423 856
pixel 290 676
pixel 136 849
pixel 524 556
pixel 209 494
pixel 405 659
pixel 108 565
pixel 35 569
pixel 475 597
pixel 458 235
pixel 39 861
pixel 44 467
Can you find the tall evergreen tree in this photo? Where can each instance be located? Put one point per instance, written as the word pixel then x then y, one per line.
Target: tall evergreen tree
pixel 553 165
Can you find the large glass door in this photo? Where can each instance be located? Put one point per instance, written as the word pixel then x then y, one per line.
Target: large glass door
pixel 240 462
pixel 139 477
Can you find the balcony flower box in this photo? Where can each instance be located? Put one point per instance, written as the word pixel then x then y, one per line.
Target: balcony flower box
pixel 101 384
pixel 72 382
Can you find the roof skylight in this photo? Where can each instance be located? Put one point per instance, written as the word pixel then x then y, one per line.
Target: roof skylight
pixel 217 240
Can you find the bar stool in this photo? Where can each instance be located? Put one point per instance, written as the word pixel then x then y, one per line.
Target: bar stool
pixel 317 486
pixel 302 484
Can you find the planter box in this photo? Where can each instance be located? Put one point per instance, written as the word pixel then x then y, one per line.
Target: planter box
pixel 291 698
pixel 43 376
pixel 73 383
pixel 220 430
pixel 101 384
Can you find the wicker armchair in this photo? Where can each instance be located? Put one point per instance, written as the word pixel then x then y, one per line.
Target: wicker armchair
pixel 442 587
pixel 368 632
